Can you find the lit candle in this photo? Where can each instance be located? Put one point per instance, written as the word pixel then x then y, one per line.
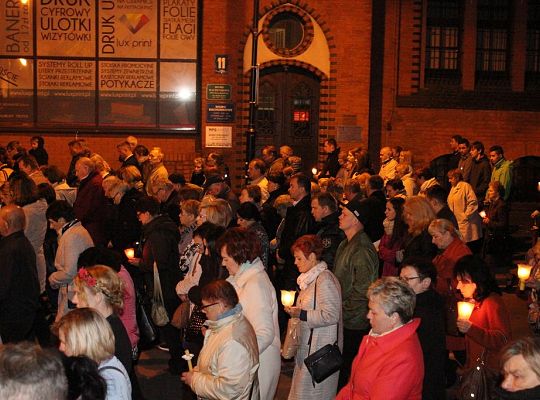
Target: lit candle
pixel 188 356
pixel 130 253
pixel 287 297
pixel 465 310
pixel 524 271
pixel 538 186
pixel 314 172
pixel 483 214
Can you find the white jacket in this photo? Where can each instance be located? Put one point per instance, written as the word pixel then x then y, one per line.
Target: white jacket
pixel 258 299
pixel 464 204
pixel 228 362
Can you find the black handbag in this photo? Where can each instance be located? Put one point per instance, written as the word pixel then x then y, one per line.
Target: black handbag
pixel 325 361
pixel 147 330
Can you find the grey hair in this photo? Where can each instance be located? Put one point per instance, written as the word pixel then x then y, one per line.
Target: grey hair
pixel 529 348
pixel 394 296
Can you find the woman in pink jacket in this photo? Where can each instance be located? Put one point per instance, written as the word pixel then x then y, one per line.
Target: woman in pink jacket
pixel 389 364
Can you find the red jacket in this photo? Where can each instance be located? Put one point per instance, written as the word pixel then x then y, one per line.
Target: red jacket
pixel 445 263
pixel 490 331
pixel 388 367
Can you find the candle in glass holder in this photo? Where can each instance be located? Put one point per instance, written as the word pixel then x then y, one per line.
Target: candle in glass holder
pixel 287 297
pixel 314 171
pixel 465 310
pixel 130 253
pixel 483 214
pixel 524 271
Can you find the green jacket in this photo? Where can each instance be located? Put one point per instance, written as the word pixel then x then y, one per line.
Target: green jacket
pixel 502 172
pixel 356 266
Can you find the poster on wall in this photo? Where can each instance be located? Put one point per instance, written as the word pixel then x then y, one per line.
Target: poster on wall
pixel 16 29
pixel 66 91
pixel 16 91
pixel 128 29
pixel 177 98
pixel 127 93
pixel 66 28
pixel 178 30
pixel 219 136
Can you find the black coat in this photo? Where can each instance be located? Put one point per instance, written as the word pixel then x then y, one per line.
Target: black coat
pixel 480 177
pixel 527 394
pixel 331 236
pixel 376 203
pixel 420 246
pixel 331 165
pixel 431 334
pixel 298 222
pixel 171 207
pixel 19 287
pixel 446 213
pixel 131 160
pixel 126 228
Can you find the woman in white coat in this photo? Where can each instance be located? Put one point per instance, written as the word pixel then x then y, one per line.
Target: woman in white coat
pixel 464 204
pixel 319 309
pixel 240 252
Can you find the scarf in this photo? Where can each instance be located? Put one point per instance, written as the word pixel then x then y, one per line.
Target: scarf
pixel 305 278
pixel 388 226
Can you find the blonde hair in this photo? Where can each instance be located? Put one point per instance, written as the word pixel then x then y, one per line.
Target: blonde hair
pixel 218 211
pixel 131 175
pixel 100 163
pixel 421 214
pixel 87 333
pixel 107 282
pixel 441 226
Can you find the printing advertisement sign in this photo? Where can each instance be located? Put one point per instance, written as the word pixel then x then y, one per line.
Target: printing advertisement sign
pixel 16 28
pixel 178 29
pixel 16 91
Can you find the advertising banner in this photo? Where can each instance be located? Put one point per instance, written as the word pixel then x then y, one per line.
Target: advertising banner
pixel 178 29
pixel 177 98
pixel 16 91
pixel 66 28
pixel 128 29
pixel 16 28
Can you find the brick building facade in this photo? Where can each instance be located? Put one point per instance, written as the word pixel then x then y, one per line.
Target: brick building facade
pixel 379 72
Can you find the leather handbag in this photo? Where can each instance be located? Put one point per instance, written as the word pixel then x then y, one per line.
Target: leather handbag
pixel 180 318
pixel 477 383
pixel 146 328
pixel 325 361
pixel 158 313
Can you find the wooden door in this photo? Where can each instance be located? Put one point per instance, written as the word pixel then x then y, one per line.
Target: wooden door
pixel 288 112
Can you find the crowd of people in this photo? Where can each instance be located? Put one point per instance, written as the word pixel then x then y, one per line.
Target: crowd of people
pixel 379 260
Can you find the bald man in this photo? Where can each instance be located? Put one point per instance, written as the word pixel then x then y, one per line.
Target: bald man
pixel 388 164
pixel 19 285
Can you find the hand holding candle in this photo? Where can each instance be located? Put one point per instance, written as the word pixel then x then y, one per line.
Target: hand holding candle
pixel 483 214
pixel 465 310
pixel 314 171
pixel 188 356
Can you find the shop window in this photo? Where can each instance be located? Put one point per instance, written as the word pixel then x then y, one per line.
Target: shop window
pixel 444 25
pixel 493 43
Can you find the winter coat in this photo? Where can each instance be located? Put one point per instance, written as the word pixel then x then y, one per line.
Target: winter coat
pixel 431 334
pixel 331 165
pixel 228 362
pixel 388 367
pixel 387 254
pixel 376 204
pixel 71 243
pixel 323 318
pixel 258 299
pixel 419 246
pixel 489 332
pixel 526 394
pixel 331 236
pixel 445 262
pixel 19 287
pixel 160 244
pixel 480 177
pixel 157 173
pixel 35 230
pixel 126 227
pixel 464 204
pixel 502 172
pixel 356 266
pixel 388 170
pixel 91 207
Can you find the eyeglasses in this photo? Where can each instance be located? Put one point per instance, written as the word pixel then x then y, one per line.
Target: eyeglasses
pixel 405 279
pixel 208 305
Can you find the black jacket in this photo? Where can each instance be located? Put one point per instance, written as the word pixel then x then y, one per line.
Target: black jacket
pixel 526 394
pixel 331 165
pixel 171 207
pixel 126 228
pixel 480 177
pixel 19 285
pixel 431 334
pixel 446 213
pixel 331 236
pixel 160 243
pixel 420 246
pixel 376 203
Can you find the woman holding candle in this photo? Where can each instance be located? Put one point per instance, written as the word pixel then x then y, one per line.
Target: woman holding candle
pixel 228 362
pixel 319 309
pixel 240 252
pixel 488 327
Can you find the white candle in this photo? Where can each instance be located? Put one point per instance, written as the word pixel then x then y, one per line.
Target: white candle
pixel 188 356
pixel 483 214
pixel 314 171
pixel 524 271
pixel 287 297
pixel 465 310
pixel 130 253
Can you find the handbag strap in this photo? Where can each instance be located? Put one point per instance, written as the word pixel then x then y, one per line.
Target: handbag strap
pixel 158 294
pixel 315 307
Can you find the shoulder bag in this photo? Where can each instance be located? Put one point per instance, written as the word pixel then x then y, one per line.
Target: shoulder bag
pixel 159 313
pixel 325 361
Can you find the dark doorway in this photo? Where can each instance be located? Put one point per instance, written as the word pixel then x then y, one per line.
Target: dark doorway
pixel 288 112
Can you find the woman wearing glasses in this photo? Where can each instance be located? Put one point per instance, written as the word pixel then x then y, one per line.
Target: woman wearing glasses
pixel 227 365
pixel 421 275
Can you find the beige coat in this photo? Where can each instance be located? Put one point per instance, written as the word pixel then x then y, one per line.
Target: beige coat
pixel 463 203
pixel 228 362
